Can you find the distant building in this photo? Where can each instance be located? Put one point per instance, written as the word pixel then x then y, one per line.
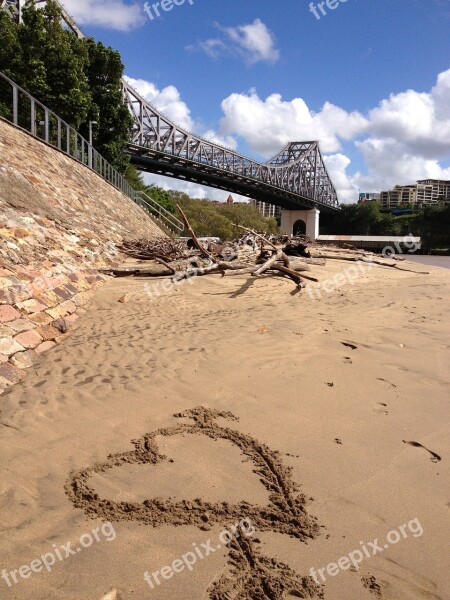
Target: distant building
pixel 230 200
pixel 368 197
pixel 266 209
pixel 426 192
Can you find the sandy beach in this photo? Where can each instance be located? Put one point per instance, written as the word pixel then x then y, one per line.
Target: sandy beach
pixel 335 407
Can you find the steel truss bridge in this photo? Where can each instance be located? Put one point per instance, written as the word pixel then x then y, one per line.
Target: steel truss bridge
pixel 296 178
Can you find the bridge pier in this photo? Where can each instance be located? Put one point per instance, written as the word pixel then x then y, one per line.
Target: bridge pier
pixel 301 222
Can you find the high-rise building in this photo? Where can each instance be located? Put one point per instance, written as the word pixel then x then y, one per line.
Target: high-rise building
pixel 426 192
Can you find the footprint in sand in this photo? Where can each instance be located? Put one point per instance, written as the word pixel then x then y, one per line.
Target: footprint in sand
pixel 373 586
pixel 348 345
pixel 380 408
pixel 386 381
pixel 434 457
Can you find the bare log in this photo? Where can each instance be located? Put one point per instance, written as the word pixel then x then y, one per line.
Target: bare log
pixel 267 265
pixel 193 236
pixel 165 264
pixel 309 261
pixel 195 272
pixel 284 269
pixel 298 266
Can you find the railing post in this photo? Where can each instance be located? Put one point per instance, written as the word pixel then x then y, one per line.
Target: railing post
pixel 46 127
pixel 33 117
pixel 15 105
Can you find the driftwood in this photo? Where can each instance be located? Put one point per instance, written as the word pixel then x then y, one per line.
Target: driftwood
pixel 194 237
pixel 254 254
pixel 165 264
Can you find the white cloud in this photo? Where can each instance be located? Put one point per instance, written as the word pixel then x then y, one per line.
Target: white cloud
pixel 255 40
pixel 194 190
pixel 227 141
pixel 111 14
pixel 253 43
pixel 337 165
pixel 417 120
pixel 390 162
pixel 268 125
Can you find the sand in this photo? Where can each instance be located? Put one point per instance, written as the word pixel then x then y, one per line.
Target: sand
pixel 323 425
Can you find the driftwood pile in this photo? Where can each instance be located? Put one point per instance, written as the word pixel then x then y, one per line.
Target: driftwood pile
pixel 254 254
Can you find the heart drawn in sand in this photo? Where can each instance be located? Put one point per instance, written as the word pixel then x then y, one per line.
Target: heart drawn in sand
pixel 251 575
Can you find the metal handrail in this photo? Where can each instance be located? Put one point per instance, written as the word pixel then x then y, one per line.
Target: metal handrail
pixel 24 111
pixel 163 214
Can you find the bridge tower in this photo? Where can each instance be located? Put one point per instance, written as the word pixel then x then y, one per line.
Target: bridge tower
pixel 301 222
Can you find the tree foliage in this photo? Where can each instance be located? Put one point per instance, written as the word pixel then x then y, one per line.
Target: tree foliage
pixel 431 223
pixel 78 79
pixel 104 71
pixel 219 220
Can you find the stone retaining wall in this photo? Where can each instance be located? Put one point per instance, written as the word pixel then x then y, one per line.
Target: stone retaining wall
pixel 59 223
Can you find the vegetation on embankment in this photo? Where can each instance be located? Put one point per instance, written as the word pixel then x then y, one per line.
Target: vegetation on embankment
pixel 219 220
pixel 431 223
pixel 207 218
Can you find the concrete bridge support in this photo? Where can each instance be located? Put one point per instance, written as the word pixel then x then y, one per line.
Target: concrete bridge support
pixel 301 222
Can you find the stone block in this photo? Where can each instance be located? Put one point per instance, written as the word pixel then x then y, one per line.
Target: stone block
pixel 45 346
pixel 48 333
pixel 6 331
pixel 68 307
pixel 8 313
pixel 24 360
pixel 41 318
pixel 31 306
pixel 55 313
pixel 9 346
pixel 62 293
pixel 30 339
pixel 22 325
pixel 9 374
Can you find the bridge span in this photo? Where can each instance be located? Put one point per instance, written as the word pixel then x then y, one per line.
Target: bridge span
pixel 296 178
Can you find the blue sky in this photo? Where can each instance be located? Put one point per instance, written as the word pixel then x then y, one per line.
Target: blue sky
pixel 363 79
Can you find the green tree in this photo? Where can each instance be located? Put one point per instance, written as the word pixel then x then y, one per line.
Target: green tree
pixel 52 63
pixel 10 49
pixel 10 55
pixel 104 71
pixel 216 220
pixel 163 197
